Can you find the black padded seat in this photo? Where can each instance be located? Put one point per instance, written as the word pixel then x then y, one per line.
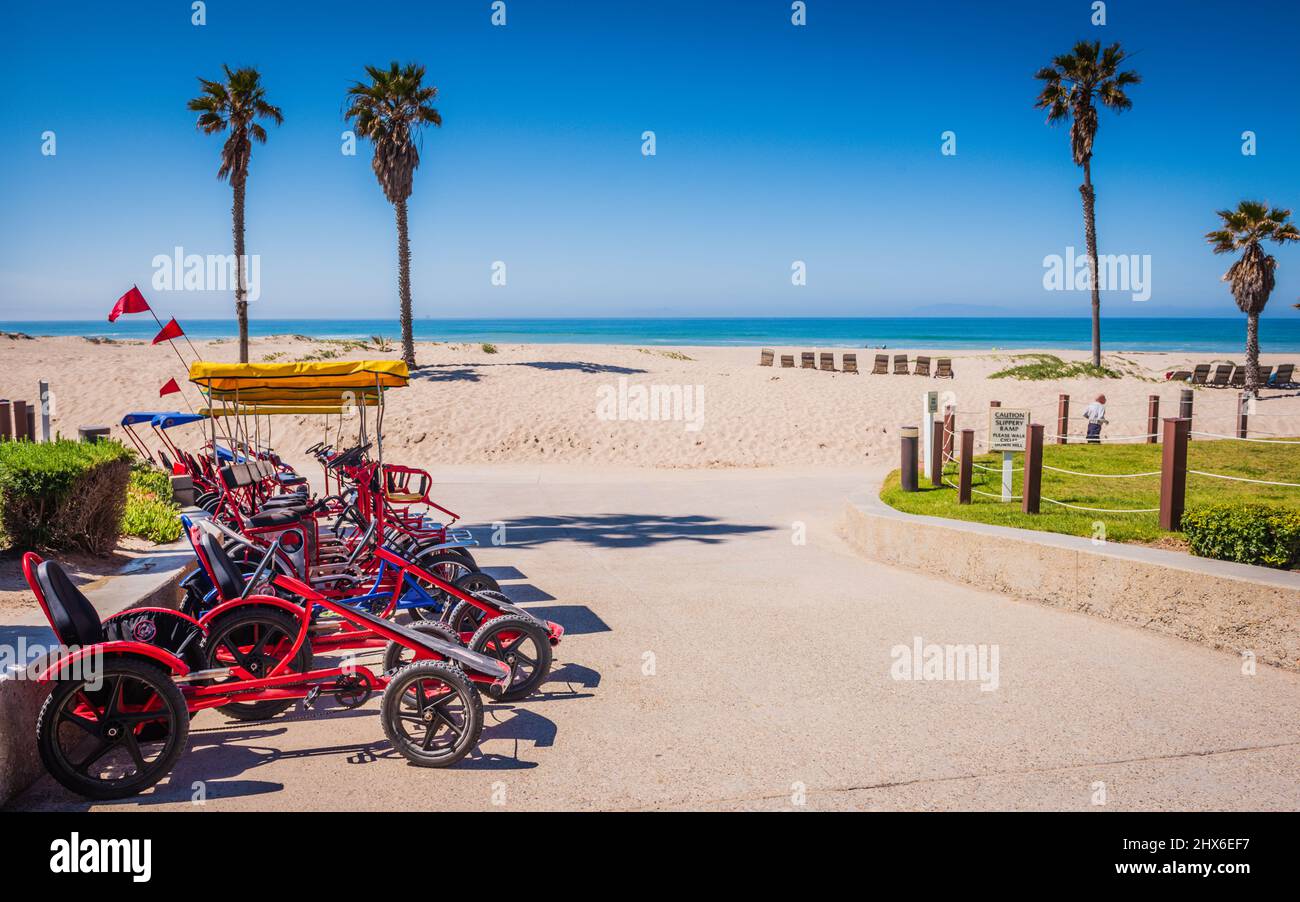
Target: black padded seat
pixel 230 582
pixel 290 479
pixel 74 618
pixel 276 516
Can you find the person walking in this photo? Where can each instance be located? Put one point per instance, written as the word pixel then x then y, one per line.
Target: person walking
pixel 1095 414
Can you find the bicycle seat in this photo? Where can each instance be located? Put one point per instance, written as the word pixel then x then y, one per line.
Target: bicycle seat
pixel 230 582
pixel 73 617
pixel 278 516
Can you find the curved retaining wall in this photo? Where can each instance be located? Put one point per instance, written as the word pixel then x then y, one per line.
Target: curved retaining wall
pixel 1228 606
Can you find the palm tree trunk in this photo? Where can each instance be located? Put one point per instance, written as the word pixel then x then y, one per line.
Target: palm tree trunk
pixel 404 283
pixel 241 291
pixel 1090 235
pixel 1252 354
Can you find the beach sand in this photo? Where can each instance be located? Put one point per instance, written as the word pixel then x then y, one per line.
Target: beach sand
pixel 543 403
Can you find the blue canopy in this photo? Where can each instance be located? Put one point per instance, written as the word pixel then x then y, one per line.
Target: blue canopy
pixel 168 420
pixel 131 419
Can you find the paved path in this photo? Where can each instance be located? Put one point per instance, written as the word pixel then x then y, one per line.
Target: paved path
pixel 771 677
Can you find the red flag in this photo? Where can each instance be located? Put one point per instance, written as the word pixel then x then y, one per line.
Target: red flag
pixel 169 388
pixel 169 331
pixel 131 302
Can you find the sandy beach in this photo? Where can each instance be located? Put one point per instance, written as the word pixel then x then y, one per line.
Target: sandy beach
pixel 577 404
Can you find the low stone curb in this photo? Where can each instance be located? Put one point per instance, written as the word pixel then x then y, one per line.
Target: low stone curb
pixel 1227 606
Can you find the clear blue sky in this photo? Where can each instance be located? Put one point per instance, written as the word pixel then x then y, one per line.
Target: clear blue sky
pixel 775 143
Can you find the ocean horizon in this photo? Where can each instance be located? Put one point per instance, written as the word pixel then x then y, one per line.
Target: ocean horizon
pixel 1191 334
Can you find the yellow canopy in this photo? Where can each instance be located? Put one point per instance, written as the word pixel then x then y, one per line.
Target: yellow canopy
pixel 328 382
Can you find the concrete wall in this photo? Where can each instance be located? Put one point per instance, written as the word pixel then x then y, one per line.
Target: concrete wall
pixel 1228 606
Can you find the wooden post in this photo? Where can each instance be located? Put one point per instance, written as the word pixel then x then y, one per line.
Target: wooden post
pixel 1243 405
pixel 31 424
pixel 907 461
pixel 967 458
pixel 936 454
pixel 949 431
pixel 1031 489
pixel 995 404
pixel 20 419
pixel 1062 420
pixel 6 424
pixel 1173 472
pixel 1185 410
pixel 1153 419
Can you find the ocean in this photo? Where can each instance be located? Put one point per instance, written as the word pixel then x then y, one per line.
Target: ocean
pixel 1279 334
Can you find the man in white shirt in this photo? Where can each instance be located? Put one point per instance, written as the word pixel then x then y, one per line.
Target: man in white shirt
pixel 1095 414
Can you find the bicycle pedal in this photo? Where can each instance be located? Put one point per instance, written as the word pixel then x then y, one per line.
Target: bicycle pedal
pixel 312 694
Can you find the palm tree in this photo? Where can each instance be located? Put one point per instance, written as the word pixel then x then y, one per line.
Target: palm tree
pixel 1072 83
pixel 388 110
pixel 234 106
pixel 1251 276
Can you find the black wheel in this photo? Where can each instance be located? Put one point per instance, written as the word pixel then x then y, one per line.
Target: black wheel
pixel 431 713
pixel 204 499
pixel 117 739
pixel 523 644
pixel 397 655
pixel 254 639
pixel 466 618
pixel 448 567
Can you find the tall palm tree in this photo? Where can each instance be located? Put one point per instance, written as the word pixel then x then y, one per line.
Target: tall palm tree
pixel 1251 276
pixel 389 110
pixel 1072 85
pixel 234 106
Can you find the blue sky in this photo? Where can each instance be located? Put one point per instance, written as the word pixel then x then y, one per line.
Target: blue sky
pixel 775 143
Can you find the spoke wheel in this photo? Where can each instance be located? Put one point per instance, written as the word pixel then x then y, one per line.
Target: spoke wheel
pixel 397 655
pixel 116 734
pixel 523 644
pixel 431 714
pixel 450 568
pixel 253 640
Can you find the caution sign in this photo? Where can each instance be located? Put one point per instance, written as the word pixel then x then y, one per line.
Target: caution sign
pixel 1008 429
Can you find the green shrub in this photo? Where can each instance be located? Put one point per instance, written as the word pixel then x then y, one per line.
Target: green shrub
pixel 150 513
pixel 1040 367
pixel 63 495
pixel 1246 533
pixel 488 348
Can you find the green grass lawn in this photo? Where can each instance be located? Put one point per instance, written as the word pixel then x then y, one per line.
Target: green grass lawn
pixel 1280 463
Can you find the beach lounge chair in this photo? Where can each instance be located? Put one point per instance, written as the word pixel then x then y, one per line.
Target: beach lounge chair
pixel 1285 377
pixel 945 368
pixel 766 359
pixel 882 365
pixel 1264 373
pixel 807 360
pixel 1221 374
pixel 787 361
pixel 1178 375
pixel 828 362
pixel 851 363
pixel 922 366
pixel 900 364
pixel 1238 379
pixel 1200 374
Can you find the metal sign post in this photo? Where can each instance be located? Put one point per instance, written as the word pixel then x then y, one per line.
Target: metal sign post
pixel 930 400
pixel 45 410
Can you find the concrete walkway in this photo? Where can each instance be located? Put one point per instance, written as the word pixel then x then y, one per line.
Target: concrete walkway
pixel 714 661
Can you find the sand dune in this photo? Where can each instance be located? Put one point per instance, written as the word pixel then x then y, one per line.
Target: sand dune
pixel 552 403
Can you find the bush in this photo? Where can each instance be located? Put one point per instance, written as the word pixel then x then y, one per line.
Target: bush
pixel 1040 367
pixel 150 512
pixel 64 495
pixel 488 348
pixel 1246 533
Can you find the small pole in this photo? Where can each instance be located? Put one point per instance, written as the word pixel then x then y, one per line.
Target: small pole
pixel 1033 482
pixel 1062 421
pixel 1185 409
pixel 45 410
pixel 967 458
pixel 31 424
pixel 6 424
pixel 1153 419
pixel 1006 475
pixel 20 419
pixel 1173 472
pixel 995 404
pixel 936 456
pixel 949 431
pixel 1243 408
pixel 907 462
